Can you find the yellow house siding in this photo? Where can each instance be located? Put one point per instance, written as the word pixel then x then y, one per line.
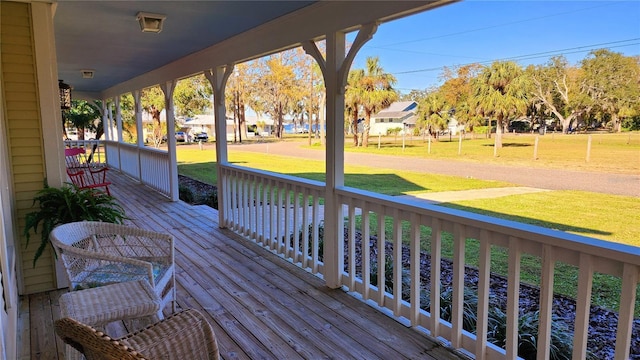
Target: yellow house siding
pixel 24 131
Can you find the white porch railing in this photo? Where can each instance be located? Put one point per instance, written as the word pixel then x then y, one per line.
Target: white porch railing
pixel 282 213
pixel 93 148
pixel 148 165
pixel 277 211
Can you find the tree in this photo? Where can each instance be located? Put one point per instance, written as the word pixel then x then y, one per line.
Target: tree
pixel 278 89
pixel 414 95
pixel 377 93
pixel 192 96
pixel 236 99
pixel 83 116
pixel 153 103
pixel 555 86
pixel 457 90
pixel 433 113
pixel 613 83
pixel 500 92
pixel 352 101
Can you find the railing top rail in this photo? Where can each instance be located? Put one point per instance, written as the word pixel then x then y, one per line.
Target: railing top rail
pixel 135 146
pixel 592 246
pixel 312 184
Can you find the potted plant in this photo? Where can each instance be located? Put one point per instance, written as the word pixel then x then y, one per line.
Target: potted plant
pixel 69 204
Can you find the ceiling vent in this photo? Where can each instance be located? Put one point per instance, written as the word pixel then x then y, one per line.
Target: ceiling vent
pixel 87 74
pixel 150 22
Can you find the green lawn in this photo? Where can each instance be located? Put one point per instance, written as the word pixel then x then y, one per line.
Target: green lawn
pixel 200 165
pixel 616 153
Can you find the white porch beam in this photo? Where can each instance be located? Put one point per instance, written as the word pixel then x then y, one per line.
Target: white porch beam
pixel 218 77
pixel 167 88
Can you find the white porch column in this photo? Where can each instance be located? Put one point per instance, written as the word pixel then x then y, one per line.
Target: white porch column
pixel 333 229
pixel 167 89
pixel 47 88
pixel 336 71
pixel 118 118
pixel 137 101
pixel 137 94
pixel 108 130
pixel 218 78
pixel 105 119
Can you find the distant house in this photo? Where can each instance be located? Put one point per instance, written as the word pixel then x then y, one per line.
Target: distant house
pixel 400 114
pixel 454 126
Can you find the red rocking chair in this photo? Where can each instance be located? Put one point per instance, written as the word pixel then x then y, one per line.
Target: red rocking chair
pixel 82 173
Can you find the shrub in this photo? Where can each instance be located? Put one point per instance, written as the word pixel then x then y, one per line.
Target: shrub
pixel 388 276
pixel 561 336
pixel 186 194
pixel 310 239
pixel 211 198
pixel 68 204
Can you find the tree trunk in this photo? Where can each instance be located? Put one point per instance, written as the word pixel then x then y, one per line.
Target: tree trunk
pixel 322 119
pixel 354 129
pixel 365 129
pixel 499 124
pixel 617 124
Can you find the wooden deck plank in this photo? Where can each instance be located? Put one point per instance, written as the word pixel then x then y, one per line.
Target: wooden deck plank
pixel 259 305
pixel 297 308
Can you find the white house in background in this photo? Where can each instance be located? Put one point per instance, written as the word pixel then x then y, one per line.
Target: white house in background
pixel 266 128
pixel 454 126
pixel 400 114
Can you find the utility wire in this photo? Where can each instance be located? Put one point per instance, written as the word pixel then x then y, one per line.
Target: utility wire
pixel 573 50
pixel 492 26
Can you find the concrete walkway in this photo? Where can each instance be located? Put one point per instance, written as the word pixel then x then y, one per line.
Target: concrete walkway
pixel 541 178
pixel 449 196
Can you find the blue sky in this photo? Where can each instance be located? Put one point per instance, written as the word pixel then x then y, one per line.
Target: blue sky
pixel 415 48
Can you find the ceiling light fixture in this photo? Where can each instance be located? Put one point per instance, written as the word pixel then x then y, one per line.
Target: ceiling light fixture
pixel 150 22
pixel 87 74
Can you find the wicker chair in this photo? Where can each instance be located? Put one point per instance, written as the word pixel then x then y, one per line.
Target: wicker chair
pixel 184 335
pixel 99 253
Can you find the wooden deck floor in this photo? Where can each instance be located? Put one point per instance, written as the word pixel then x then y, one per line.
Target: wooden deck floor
pixel 260 306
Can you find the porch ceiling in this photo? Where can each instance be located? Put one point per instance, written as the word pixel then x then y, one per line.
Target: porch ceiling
pixel 104 36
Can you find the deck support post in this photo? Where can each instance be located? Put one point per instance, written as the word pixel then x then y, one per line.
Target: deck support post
pixel 118 118
pixel 336 70
pixel 108 126
pixel 137 101
pixel 333 229
pixel 167 89
pixel 218 78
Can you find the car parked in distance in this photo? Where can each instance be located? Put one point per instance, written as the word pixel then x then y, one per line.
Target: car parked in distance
pixel 181 136
pixel 202 136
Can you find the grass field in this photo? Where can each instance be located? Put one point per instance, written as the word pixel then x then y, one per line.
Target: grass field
pixel 614 153
pixel 200 165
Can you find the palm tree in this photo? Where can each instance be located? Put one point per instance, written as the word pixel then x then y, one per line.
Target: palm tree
pixel 352 100
pixel 433 113
pixel 82 116
pixel 500 92
pixel 377 93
